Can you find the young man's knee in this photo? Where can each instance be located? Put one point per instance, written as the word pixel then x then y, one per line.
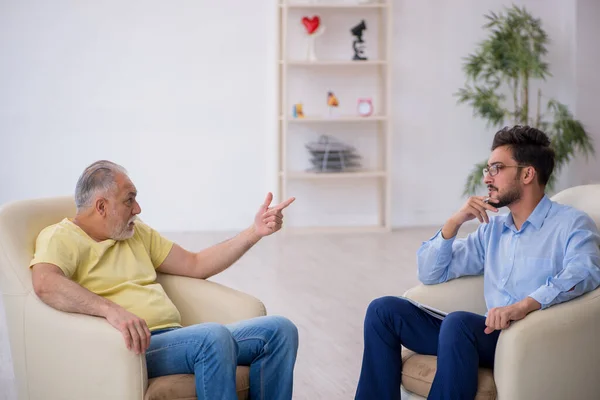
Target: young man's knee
pixel 386 305
pixel 460 322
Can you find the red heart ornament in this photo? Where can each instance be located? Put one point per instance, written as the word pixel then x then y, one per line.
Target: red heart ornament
pixel 311 24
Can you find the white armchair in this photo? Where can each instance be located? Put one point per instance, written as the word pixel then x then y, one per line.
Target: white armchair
pixel 58 355
pixel 552 354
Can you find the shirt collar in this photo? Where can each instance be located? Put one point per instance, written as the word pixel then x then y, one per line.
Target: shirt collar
pixel 536 218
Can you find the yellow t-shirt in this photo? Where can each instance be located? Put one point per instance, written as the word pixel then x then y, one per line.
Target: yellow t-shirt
pixel 121 271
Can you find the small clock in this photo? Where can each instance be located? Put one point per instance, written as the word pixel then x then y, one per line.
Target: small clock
pixel 365 107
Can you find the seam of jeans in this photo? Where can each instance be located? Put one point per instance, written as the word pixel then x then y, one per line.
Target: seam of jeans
pixel 173 345
pixel 204 376
pixel 262 377
pixel 253 338
pixel 260 363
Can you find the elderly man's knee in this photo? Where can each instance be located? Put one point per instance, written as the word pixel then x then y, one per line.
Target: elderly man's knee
pixel 285 330
pixel 214 338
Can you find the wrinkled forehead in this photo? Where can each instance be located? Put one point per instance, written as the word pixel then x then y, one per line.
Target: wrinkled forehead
pixel 501 155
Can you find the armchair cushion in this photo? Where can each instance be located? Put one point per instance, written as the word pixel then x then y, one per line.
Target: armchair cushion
pixel 199 301
pixel 419 370
pixel 183 387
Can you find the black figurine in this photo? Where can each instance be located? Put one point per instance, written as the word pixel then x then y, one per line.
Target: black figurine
pixel 358 44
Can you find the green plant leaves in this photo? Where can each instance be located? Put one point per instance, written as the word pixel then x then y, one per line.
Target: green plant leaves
pixel 505 62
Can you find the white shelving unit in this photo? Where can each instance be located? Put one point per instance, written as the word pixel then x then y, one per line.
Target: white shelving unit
pixel 375 129
pixel 332 5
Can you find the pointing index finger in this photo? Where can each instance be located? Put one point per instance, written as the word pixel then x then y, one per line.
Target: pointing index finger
pixel 284 204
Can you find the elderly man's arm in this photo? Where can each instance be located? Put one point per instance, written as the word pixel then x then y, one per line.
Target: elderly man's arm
pixel 59 292
pixel 217 258
pixel 210 261
pixel 55 289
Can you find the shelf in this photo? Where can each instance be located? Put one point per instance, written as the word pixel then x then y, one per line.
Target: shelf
pixel 334 6
pixel 333 175
pixel 333 63
pixel 296 71
pixel 307 120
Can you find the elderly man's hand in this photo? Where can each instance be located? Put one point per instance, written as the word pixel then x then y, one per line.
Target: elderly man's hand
pixel 270 219
pixel 133 328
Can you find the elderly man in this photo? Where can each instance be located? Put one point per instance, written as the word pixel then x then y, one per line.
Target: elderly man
pixel 103 262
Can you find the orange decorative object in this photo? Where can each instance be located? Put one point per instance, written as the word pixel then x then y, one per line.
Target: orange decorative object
pixel 297 111
pixel 332 101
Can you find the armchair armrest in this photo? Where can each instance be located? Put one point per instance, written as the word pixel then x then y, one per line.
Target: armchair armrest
pixel 199 300
pixel 552 353
pixel 462 294
pixel 75 356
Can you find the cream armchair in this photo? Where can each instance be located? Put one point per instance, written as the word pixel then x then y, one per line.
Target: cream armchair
pixel 551 354
pixel 59 355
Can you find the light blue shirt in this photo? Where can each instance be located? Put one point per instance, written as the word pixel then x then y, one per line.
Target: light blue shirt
pixel 556 249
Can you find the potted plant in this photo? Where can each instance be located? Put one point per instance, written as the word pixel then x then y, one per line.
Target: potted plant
pixel 506 62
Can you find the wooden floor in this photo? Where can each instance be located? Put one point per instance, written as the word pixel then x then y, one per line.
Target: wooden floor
pixel 323 283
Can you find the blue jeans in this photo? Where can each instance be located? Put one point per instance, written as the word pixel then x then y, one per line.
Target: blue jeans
pixel 459 342
pixel 212 352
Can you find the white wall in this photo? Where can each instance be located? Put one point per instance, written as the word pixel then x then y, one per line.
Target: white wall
pixel 436 141
pixel 183 95
pixel 587 87
pixel 180 93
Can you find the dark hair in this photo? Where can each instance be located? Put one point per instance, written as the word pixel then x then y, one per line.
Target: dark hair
pixel 529 146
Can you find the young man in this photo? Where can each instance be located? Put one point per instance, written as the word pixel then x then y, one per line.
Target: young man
pixel 540 254
pixel 103 262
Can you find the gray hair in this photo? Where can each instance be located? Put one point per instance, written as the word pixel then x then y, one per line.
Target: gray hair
pixel 97 178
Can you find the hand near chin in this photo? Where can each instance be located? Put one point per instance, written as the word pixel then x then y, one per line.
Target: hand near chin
pixel 475 207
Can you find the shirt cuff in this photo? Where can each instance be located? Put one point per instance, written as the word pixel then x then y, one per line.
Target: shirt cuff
pixel 545 295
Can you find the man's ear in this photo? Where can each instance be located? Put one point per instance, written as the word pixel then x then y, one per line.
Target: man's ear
pixel 528 174
pixel 101 206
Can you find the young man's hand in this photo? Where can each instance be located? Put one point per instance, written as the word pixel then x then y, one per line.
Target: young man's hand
pixel 475 207
pixel 500 317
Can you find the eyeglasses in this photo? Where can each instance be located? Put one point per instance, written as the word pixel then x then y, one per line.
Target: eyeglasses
pixel 493 169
